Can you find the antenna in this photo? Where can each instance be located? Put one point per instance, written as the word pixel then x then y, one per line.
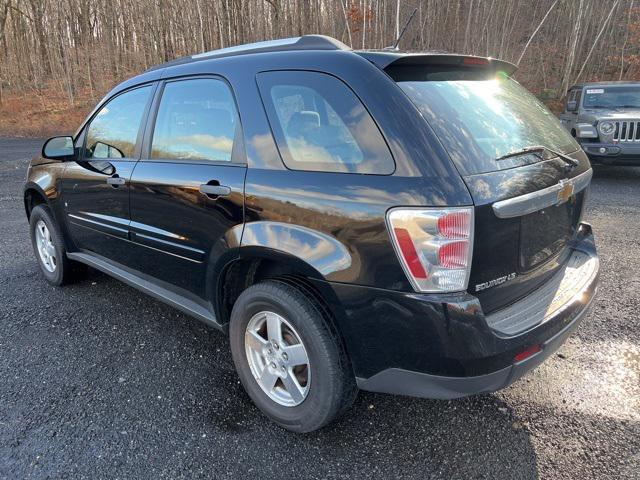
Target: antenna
pixel 404 29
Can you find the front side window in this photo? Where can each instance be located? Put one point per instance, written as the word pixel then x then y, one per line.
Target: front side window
pixel 578 97
pixel 114 130
pixel 320 125
pixel 196 120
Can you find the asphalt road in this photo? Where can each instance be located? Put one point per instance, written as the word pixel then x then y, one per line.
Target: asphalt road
pixel 100 381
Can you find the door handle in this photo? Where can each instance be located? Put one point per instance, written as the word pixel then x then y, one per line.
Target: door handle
pixel 116 181
pixel 213 191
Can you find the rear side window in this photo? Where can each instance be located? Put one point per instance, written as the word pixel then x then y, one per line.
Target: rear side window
pixel 196 120
pixel 320 125
pixel 114 130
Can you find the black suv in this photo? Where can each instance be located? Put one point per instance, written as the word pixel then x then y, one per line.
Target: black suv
pixel 400 223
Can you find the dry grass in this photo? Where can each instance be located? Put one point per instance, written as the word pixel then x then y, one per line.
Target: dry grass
pixel 42 113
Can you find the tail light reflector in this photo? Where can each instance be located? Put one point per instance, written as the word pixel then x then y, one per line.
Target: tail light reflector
pixel 434 246
pixel 409 253
pixel 528 352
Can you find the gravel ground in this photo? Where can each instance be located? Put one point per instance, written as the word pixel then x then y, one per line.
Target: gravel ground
pixel 100 381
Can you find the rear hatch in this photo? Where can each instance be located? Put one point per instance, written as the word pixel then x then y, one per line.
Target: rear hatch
pixel 528 204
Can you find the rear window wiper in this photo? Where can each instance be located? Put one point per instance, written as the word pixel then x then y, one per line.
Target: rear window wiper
pixel 538 150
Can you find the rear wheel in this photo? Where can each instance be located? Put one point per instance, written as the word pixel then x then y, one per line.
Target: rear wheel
pixel 290 362
pixel 49 248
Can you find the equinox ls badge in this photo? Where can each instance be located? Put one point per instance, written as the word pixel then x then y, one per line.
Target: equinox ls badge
pixel 565 192
pixel 495 281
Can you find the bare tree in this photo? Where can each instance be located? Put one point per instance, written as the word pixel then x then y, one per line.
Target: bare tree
pixel 80 48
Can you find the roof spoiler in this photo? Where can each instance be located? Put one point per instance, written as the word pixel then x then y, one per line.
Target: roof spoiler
pixel 384 60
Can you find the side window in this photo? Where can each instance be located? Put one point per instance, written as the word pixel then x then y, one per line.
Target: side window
pixel 196 120
pixel 570 97
pixel 320 125
pixel 578 97
pixel 114 130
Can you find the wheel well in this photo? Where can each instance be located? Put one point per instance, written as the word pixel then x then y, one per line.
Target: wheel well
pixel 32 198
pixel 245 272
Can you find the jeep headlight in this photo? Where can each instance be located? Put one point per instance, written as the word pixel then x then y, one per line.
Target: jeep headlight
pixel 607 128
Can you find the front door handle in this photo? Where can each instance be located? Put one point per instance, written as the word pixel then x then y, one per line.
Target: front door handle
pixel 213 191
pixel 116 181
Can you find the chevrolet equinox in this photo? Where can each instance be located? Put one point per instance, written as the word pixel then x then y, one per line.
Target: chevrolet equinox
pixel 375 220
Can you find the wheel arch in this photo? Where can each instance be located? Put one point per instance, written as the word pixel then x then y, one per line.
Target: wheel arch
pixel 256 264
pixel 33 195
pixel 252 265
pixel 269 249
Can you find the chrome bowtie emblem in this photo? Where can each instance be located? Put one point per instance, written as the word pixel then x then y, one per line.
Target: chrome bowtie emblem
pixel 565 192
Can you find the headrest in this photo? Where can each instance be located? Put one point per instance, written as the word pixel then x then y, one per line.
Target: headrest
pixel 303 121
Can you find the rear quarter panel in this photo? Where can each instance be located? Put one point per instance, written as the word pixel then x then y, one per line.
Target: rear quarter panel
pixel 347 211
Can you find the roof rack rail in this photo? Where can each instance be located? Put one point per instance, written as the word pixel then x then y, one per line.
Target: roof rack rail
pixel 305 42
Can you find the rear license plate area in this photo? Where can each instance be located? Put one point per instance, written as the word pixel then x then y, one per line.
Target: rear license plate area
pixel 544 233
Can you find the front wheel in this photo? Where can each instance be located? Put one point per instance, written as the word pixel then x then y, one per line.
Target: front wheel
pixel 49 248
pixel 289 360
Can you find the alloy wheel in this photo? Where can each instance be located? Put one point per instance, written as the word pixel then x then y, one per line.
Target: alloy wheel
pixel 46 249
pixel 278 359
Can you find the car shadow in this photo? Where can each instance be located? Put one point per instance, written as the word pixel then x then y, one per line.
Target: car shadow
pixel 381 436
pixel 386 436
pixel 619 173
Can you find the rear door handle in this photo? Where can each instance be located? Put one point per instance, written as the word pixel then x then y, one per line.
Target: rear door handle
pixel 215 190
pixel 116 181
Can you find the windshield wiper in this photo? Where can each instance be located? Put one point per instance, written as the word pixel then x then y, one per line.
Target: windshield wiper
pixel 540 149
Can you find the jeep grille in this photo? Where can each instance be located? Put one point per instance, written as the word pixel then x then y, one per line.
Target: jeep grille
pixel 627 131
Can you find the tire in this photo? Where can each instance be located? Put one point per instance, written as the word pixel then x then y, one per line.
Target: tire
pixel 327 385
pixel 55 266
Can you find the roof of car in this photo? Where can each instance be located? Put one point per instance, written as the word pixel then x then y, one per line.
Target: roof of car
pixel 381 58
pixel 313 44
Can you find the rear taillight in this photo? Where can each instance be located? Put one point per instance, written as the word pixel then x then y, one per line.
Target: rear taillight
pixel 434 246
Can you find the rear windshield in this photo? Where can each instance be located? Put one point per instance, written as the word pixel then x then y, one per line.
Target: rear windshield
pixel 482 115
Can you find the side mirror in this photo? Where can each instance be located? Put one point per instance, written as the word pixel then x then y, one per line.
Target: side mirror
pixel 59 148
pixel 572 106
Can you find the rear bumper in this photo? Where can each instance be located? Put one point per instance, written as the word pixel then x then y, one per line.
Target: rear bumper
pixel 623 154
pixel 417 384
pixel 444 346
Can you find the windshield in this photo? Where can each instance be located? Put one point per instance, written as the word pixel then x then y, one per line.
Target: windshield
pixel 482 117
pixel 612 97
